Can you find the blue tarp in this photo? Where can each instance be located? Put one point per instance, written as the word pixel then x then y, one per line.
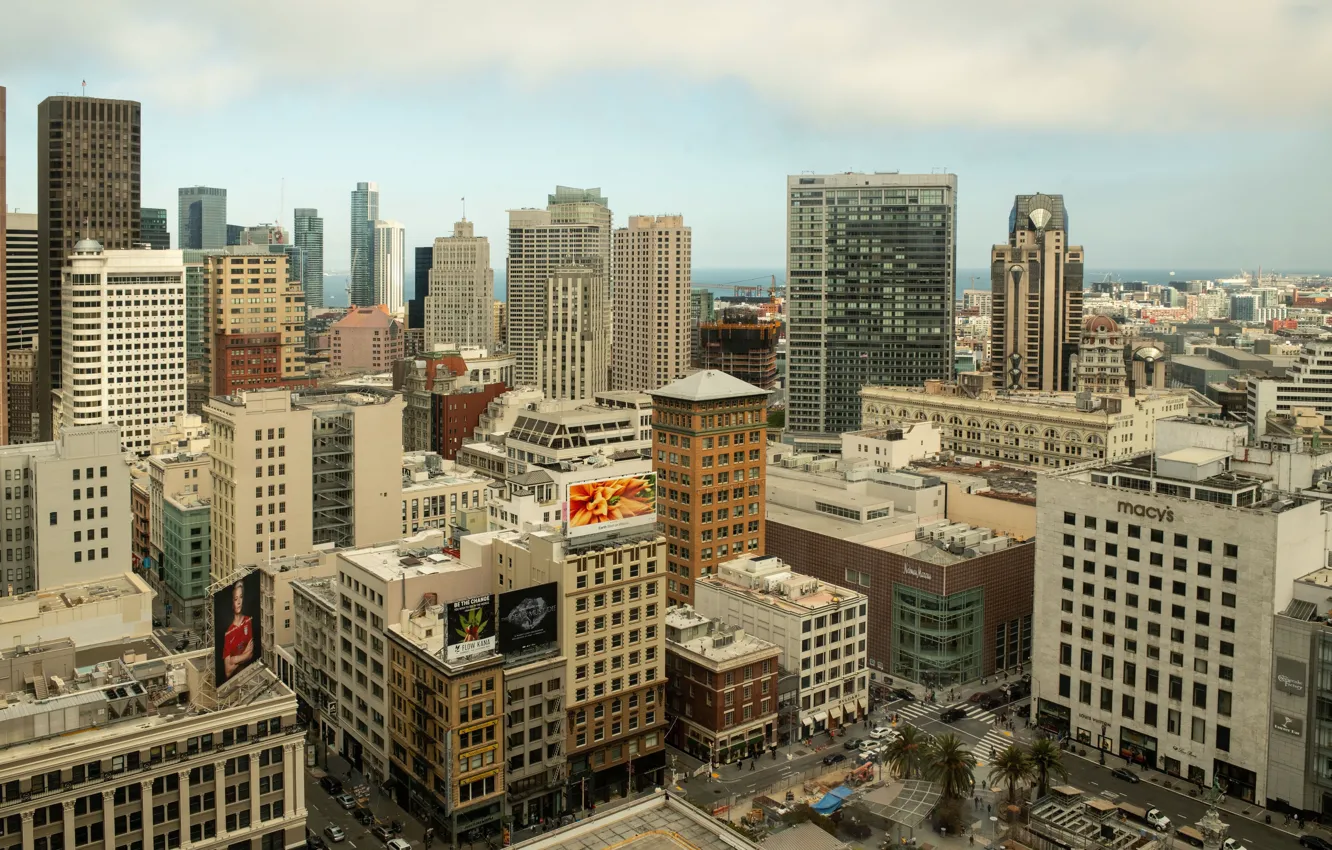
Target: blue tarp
pixel 833 800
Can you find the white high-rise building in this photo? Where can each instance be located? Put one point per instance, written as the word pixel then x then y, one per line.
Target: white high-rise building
pixel 124 315
pixel 574 231
pixel 390 264
pixel 652 341
pixel 460 307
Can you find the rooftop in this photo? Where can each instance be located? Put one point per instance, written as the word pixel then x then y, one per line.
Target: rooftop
pixel 660 821
pixel 322 588
pixel 407 558
pixel 69 596
pixel 767 579
pixel 365 317
pixel 708 385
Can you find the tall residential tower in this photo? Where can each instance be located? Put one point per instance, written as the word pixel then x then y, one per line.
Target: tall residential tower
pixel 309 237
pixel 202 218
pixel 1036 298
pixel 88 172
pixel 389 265
pixel 364 213
pixel 652 338
pixel 461 289
pixel 870 268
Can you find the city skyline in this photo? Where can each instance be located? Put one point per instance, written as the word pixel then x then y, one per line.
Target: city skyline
pixel 1184 148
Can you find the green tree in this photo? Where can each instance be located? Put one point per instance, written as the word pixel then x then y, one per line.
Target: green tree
pixel 952 766
pixel 777 419
pixel 1014 767
pixel 906 754
pixel 1048 760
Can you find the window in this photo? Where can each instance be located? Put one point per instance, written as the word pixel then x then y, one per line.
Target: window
pixel 1199 695
pixel 1227 574
pixel 1069 519
pixel 1230 550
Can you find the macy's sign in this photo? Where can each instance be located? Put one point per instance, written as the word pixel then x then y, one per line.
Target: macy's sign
pixel 1163 514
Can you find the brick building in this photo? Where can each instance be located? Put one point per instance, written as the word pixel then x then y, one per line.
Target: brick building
pixel 366 338
pixel 721 688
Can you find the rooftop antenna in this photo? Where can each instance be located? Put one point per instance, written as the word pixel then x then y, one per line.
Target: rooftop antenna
pixel 464 203
pixel 85 88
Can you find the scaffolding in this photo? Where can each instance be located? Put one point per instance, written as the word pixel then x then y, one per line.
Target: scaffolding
pixel 745 350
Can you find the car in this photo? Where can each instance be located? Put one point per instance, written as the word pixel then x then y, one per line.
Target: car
pixel 1232 844
pixel 399 844
pixel 347 801
pixel 330 785
pixel 834 758
pixel 364 816
pixel 1314 842
pixel 853 744
pixel 1125 774
pixel 951 715
pixel 1158 820
pixel 334 833
pixel 314 842
pixel 383 833
pixel 990 702
pixel 881 732
pixel 903 694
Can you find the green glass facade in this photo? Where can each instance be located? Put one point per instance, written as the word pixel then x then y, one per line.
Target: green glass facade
pixel 938 640
pixel 186 556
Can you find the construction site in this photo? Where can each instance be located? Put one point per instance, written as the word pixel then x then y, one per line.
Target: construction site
pixel 742 342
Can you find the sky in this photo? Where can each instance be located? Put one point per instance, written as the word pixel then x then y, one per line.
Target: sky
pixel 1182 133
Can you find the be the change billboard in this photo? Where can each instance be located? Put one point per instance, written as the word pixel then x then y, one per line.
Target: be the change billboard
pixel 469 627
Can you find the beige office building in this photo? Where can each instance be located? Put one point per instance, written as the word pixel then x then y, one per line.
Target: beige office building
pixel 1036 297
pixel 573 351
pixel 653 267
pixel 1048 430
pixel 254 321
pixel 612 610
pixel 573 232
pixel 108 754
pixel 459 310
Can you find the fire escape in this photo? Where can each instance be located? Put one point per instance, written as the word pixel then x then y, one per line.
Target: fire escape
pixel 332 479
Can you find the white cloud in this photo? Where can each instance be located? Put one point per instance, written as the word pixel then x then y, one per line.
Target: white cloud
pixel 1086 65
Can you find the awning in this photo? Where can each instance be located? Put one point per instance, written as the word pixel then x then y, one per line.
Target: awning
pixel 848 709
pixel 808 721
pixel 860 704
pixel 819 717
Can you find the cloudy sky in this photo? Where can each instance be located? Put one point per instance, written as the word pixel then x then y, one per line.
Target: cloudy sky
pixel 1183 133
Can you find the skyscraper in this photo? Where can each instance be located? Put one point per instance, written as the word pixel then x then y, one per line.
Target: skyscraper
pixel 574 231
pixel 390 264
pixel 88 170
pixel 425 258
pixel 233 234
pixel 252 350
pixel 4 261
pixel 870 268
pixel 202 218
pixel 114 290
pixel 651 302
pixel 153 230
pixel 364 214
pixel 20 275
pixel 309 237
pixel 462 289
pixel 1036 298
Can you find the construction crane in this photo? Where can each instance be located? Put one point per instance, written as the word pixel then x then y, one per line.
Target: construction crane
pixel 745 289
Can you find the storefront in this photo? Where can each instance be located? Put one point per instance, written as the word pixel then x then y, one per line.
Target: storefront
pixel 1137 747
pixel 1052 717
pixel 938 640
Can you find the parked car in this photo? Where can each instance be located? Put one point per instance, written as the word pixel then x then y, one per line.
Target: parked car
pixel 1314 842
pixel 853 744
pixel 347 801
pixel 951 715
pixel 1125 774
pixel 334 833
pixel 330 785
pixel 834 758
pixel 902 693
pixel 383 833
pixel 1232 844
pixel 879 732
pixel 314 842
pixel 364 816
pixel 399 844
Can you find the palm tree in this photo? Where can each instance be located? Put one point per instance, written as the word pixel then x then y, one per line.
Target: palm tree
pixel 952 766
pixel 906 754
pixel 1048 760
pixel 1014 767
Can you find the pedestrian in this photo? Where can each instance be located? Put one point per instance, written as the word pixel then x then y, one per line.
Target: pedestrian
pixel 989 808
pixel 972 840
pixel 751 764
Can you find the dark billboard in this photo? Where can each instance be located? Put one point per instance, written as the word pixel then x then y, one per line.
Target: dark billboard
pixel 527 618
pixel 237 639
pixel 469 627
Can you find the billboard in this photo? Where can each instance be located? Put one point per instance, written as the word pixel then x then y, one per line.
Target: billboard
pixel 1291 675
pixel 610 504
pixel 469 627
pixel 237 639
pixel 527 618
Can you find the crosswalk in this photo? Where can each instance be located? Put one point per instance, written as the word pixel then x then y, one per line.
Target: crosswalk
pixel 995 741
pixel 916 710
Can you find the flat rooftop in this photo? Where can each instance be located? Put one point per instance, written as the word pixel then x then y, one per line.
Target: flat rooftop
pixel 73 595
pixel 323 588
pixel 1003 480
pixel 660 821
pixel 402 560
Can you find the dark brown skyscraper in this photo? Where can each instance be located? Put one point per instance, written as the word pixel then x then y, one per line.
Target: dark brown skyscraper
pixel 4 201
pixel 88 173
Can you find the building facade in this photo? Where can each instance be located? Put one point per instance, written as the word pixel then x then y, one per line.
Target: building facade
pixel 364 214
pixel 459 290
pixel 254 322
pixel 886 240
pixel 124 314
pixel 573 352
pixel 68 504
pixel 1303 386
pixel 154 232
pixel 709 435
pixel 1030 429
pixel 201 222
pixel 308 235
pixel 721 688
pixel 536 771
pixel 366 338
pixel 180 491
pixel 1036 286
pixel 99 202
pixel 20 390
pixel 315 656
pixel 653 261
pixel 22 301
pixel 1144 661
pixel 389 265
